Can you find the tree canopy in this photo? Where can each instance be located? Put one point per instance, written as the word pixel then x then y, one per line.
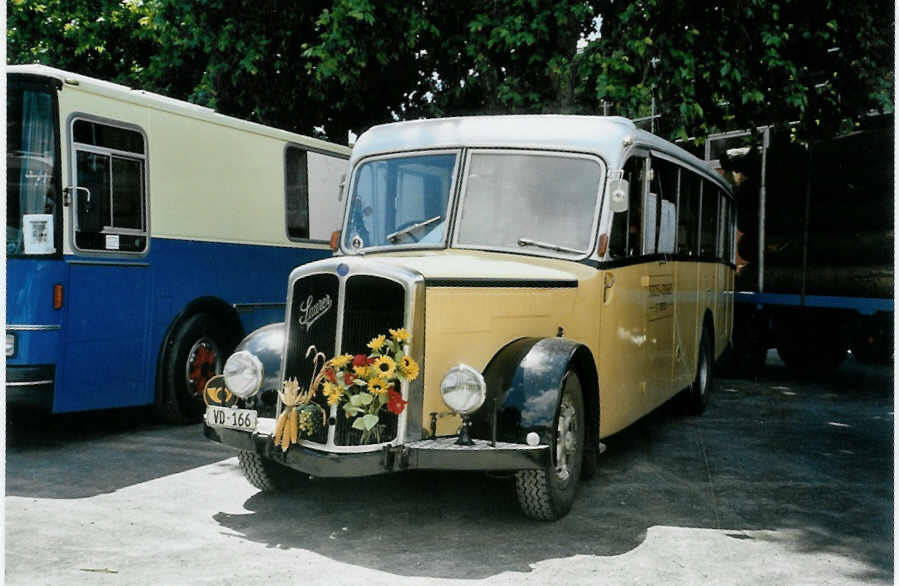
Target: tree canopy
pixel 328 66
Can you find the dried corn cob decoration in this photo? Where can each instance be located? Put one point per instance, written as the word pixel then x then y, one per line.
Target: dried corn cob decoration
pixel 287 428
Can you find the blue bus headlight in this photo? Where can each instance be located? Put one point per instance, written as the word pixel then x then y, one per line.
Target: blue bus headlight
pixel 243 374
pixel 463 389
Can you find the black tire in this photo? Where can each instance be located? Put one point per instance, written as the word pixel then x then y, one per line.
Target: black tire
pixel 696 396
pixel 548 494
pixel 872 342
pixel 821 359
pixel 812 341
pixel 746 356
pixel 266 475
pixel 590 464
pixel 197 352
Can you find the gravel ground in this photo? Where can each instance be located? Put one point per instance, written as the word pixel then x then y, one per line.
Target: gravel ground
pixel 783 480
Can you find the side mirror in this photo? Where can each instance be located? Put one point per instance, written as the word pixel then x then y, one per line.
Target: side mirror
pixel 618 190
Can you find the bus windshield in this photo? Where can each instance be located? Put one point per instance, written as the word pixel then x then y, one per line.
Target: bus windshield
pixel 400 201
pixel 31 190
pixel 529 202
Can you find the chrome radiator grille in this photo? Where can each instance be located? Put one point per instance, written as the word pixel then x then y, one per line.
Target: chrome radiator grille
pixel 362 306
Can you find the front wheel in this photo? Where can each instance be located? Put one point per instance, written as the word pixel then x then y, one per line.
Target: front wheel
pixel 548 494
pixel 266 475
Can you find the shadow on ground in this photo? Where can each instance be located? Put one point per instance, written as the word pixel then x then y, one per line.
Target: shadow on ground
pixel 811 457
pixel 115 449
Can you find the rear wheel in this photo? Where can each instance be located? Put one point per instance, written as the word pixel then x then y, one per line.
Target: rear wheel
pixel 811 342
pixel 266 475
pixel 196 354
pixel 872 341
pixel 696 396
pixel 549 493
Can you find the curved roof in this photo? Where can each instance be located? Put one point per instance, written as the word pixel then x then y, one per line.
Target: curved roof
pixel 601 135
pixel 159 102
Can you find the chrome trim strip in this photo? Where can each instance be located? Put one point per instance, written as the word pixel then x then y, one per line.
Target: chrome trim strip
pixel 244 307
pixel 32 328
pixel 30 383
pixel 109 263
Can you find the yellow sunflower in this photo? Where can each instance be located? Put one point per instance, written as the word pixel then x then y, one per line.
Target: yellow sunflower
pixel 408 368
pixel 400 335
pixel 377 343
pixel 339 361
pixel 332 392
pixel 384 366
pixel 361 371
pixel 377 386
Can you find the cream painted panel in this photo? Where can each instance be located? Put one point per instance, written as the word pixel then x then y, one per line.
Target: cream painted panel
pixel 324 182
pixel 708 296
pixel 687 321
pixel 207 181
pixel 471 324
pixel 72 101
pixel 210 183
pixel 623 372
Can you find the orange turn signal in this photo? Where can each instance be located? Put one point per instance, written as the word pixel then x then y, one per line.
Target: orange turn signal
pixel 335 239
pixel 57 296
pixel 603 245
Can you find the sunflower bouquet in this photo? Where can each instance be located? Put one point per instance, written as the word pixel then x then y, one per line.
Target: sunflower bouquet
pixel 366 384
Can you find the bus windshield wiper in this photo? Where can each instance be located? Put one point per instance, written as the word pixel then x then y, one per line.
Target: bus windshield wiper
pixel 409 229
pixel 548 246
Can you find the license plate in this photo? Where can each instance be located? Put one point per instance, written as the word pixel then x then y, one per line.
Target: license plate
pixel 244 419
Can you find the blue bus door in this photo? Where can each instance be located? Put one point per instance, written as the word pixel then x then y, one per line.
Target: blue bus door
pixel 106 345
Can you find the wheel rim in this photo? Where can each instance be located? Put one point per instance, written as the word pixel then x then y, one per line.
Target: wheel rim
pixel 203 362
pixel 566 438
pixel 703 378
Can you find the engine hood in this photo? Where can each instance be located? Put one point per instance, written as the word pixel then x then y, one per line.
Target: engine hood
pixel 477 266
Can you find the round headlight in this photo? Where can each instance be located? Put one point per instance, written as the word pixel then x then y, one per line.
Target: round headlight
pixel 463 389
pixel 243 374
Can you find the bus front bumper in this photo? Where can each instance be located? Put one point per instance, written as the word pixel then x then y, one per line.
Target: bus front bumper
pixel 30 387
pixel 434 454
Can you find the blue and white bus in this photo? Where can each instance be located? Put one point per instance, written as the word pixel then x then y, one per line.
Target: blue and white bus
pixel 145 236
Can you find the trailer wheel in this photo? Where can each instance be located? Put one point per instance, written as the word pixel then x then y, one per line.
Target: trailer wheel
pixel 872 342
pixel 548 494
pixel 197 352
pixel 812 342
pixel 266 475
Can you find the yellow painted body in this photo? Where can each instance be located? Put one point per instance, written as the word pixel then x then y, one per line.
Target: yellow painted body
pixel 642 322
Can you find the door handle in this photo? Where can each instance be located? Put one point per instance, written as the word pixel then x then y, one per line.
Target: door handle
pixel 608 282
pixel 69 190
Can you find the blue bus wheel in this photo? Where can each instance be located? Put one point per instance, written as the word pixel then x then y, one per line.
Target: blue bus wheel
pixel 197 353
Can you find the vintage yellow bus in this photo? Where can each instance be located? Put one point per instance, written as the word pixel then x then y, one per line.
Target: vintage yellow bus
pixel 507 292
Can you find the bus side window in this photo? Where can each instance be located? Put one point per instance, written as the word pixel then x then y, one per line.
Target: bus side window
pixel 627 226
pixel 722 226
pixel 688 214
pixel 708 234
pixel 663 196
pixel 729 234
pixel 111 204
pixel 296 186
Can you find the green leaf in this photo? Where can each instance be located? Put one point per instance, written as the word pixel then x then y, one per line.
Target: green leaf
pixel 361 399
pixel 359 423
pixel 369 421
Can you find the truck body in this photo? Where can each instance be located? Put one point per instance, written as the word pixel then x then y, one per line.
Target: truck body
pixel 815 252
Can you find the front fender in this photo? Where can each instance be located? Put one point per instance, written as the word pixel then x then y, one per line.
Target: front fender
pixel 524 385
pixel 267 344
